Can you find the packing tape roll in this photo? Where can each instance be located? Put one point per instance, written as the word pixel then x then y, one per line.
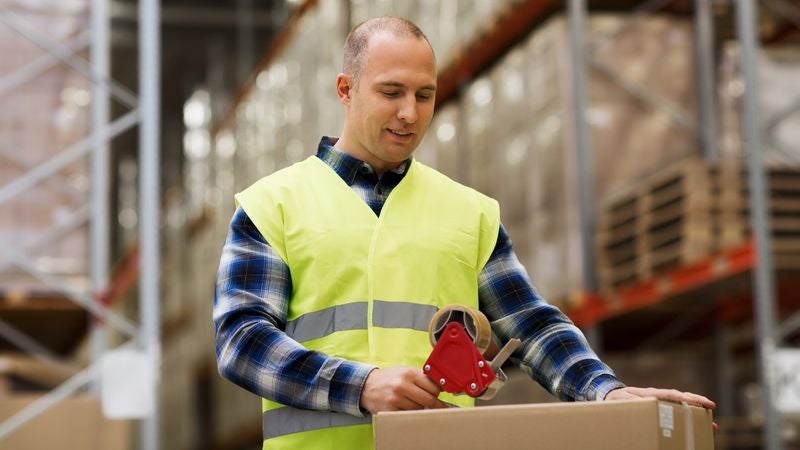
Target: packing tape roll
pixel 474 322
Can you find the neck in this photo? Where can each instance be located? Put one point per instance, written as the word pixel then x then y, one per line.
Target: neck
pixel 379 166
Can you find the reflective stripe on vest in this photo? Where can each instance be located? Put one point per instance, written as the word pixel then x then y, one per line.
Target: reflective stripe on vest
pixel 317 324
pixel 288 420
pixel 413 316
pixel 353 316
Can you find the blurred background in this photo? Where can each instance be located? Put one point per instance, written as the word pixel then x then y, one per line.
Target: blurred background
pixel 645 154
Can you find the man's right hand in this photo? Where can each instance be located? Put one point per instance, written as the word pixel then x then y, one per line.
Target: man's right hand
pixel 399 388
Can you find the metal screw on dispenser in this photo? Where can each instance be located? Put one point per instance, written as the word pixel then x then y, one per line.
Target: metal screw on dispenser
pixel 473 386
pixel 441 381
pixel 481 364
pixel 427 367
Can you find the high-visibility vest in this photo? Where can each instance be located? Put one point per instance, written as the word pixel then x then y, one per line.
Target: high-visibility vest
pixel 365 287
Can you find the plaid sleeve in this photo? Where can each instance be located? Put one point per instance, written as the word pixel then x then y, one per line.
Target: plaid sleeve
pixel 553 352
pixel 250 305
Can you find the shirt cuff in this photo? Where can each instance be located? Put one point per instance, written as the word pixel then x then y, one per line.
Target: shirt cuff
pixel 601 386
pixel 347 385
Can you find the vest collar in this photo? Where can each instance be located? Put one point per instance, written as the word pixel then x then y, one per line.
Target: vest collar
pixel 349 167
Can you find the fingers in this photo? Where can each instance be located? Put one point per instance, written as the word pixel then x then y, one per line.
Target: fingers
pixel 699 400
pixel 425 392
pixel 422 400
pixel 687 397
pixel 663 394
pixel 399 388
pixel 423 382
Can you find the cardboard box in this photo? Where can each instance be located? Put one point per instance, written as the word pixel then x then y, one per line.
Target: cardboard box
pixel 74 424
pixel 646 424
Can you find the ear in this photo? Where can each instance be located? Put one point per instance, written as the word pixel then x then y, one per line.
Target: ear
pixel 344 87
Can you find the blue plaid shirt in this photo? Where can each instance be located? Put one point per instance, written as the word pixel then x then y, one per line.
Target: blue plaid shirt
pixel 254 287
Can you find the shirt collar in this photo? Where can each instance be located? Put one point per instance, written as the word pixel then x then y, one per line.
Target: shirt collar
pixel 347 166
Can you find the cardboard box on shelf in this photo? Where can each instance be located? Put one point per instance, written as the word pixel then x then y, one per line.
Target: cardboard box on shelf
pixel 73 424
pixel 646 424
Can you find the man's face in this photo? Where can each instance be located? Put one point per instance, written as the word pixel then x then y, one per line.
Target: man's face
pixel 389 110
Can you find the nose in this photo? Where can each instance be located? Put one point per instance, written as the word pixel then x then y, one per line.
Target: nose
pixel 407 111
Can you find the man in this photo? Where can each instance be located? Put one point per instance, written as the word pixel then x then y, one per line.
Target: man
pixel 327 281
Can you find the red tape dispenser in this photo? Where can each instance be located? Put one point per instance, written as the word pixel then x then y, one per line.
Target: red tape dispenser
pixel 462 341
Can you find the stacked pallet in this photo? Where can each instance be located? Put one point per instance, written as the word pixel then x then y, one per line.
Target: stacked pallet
pixel 687 212
pixel 785 217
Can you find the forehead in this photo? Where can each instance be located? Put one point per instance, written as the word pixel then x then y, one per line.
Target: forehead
pixel 389 56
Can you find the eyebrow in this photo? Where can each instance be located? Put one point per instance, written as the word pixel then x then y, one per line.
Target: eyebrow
pixel 428 87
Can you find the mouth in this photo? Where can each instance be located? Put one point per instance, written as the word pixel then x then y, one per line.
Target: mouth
pixel 400 134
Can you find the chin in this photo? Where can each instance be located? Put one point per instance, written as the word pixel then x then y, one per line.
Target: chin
pixel 399 157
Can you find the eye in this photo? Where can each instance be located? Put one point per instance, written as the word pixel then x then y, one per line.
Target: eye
pixel 391 94
pixel 423 97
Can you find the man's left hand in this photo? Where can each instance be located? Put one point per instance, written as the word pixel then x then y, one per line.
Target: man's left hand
pixel 630 393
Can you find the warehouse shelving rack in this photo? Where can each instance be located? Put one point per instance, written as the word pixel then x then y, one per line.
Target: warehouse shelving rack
pixel 144 112
pixel 720 267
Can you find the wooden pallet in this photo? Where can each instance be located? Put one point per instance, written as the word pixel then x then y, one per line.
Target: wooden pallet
pixel 687 212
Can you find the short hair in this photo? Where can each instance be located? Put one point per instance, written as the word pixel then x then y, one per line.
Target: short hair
pixel 357 42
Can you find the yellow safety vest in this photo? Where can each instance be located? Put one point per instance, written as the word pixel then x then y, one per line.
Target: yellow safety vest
pixel 365 287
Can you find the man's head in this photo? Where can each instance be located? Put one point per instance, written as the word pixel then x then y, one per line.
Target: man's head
pixel 357 42
pixel 387 86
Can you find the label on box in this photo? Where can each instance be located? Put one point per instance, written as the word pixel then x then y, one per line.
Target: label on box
pixel 666 419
